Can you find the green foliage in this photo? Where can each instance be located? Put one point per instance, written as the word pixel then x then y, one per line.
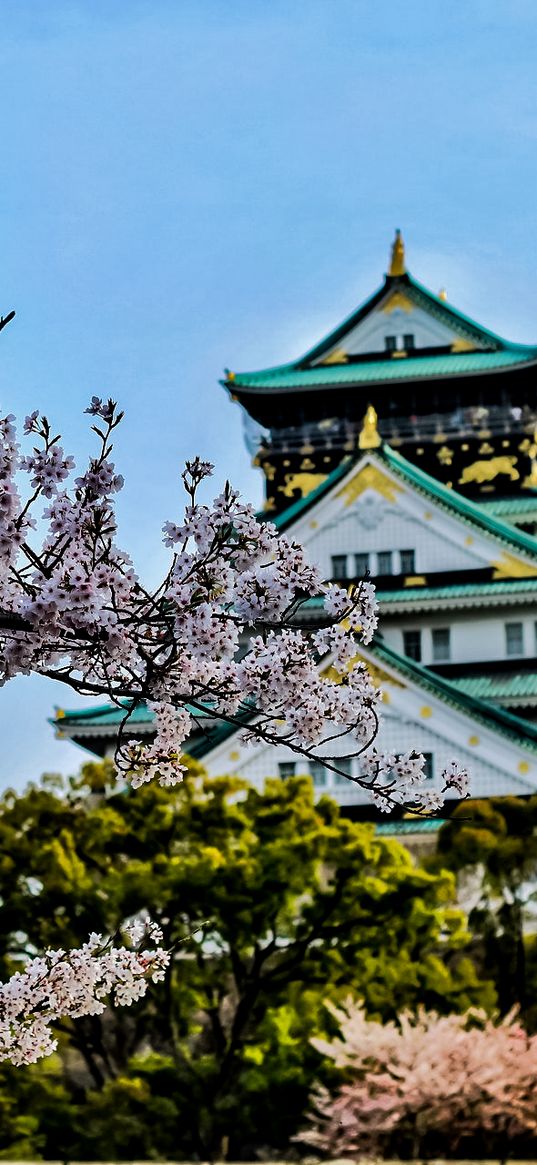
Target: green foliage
pixel 492 846
pixel 273 904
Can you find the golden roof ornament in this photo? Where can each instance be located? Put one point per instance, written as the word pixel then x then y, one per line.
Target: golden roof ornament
pixel 397 261
pixel 442 294
pixel 370 437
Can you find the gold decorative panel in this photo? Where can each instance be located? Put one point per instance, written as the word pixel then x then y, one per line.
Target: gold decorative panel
pixel 508 566
pixel 480 471
pixel 369 477
pixel 303 483
pixel 397 299
pixel 338 356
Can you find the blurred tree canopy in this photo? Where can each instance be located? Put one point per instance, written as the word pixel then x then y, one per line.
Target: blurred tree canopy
pixel 492 846
pixel 273 904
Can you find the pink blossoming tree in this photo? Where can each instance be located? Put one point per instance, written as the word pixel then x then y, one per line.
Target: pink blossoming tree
pixel 426 1080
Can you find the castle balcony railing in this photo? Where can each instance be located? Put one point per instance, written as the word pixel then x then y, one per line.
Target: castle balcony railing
pixel 342 433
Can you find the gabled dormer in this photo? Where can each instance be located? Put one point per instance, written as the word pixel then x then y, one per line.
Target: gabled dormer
pixel 401 319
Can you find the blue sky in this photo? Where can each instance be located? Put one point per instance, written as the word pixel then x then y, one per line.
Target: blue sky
pixel 190 184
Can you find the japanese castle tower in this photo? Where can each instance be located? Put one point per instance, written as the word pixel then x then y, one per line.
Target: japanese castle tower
pixel 404 445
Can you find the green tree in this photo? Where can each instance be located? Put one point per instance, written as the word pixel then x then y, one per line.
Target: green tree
pixel 273 903
pixel 492 846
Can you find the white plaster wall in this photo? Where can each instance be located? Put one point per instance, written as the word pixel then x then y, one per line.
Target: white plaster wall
pixel 398 733
pixel 475 635
pixel 350 532
pixel 369 334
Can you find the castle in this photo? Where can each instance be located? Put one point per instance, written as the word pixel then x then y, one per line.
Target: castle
pixel 403 445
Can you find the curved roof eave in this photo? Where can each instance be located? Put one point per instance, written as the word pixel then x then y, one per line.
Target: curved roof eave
pixel 438 306
pixel 450 366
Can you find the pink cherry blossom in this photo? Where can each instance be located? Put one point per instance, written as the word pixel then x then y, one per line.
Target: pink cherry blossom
pixel 454 1076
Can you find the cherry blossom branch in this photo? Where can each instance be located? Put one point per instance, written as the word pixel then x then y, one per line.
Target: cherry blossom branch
pixel 69 984
pixel 73 608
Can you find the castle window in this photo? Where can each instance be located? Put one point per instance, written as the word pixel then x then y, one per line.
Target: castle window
pixel 408 561
pixel 343 763
pixel 441 644
pixel 514 638
pixel 318 773
pixel 390 343
pixel 409 341
pixel 428 768
pixel 412 644
pixel 361 564
pixel 339 566
pixel 286 769
pixel 384 562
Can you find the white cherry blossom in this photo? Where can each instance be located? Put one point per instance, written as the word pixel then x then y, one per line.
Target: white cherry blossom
pixel 222 634
pixel 69 984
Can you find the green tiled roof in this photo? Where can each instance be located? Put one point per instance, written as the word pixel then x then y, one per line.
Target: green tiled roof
pixel 510 686
pixel 288 376
pixel 493 354
pixel 507 506
pixel 427 825
pixel 104 720
pixel 105 716
pixel 449 499
pixel 469 590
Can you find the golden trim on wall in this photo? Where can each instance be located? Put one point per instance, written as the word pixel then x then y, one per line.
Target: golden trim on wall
pixel 397 300
pixel 338 356
pixel 369 477
pixel 508 566
pixel 377 675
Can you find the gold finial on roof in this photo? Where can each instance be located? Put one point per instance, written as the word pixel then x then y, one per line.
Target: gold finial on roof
pixel 369 435
pixel 397 261
pixel 442 294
